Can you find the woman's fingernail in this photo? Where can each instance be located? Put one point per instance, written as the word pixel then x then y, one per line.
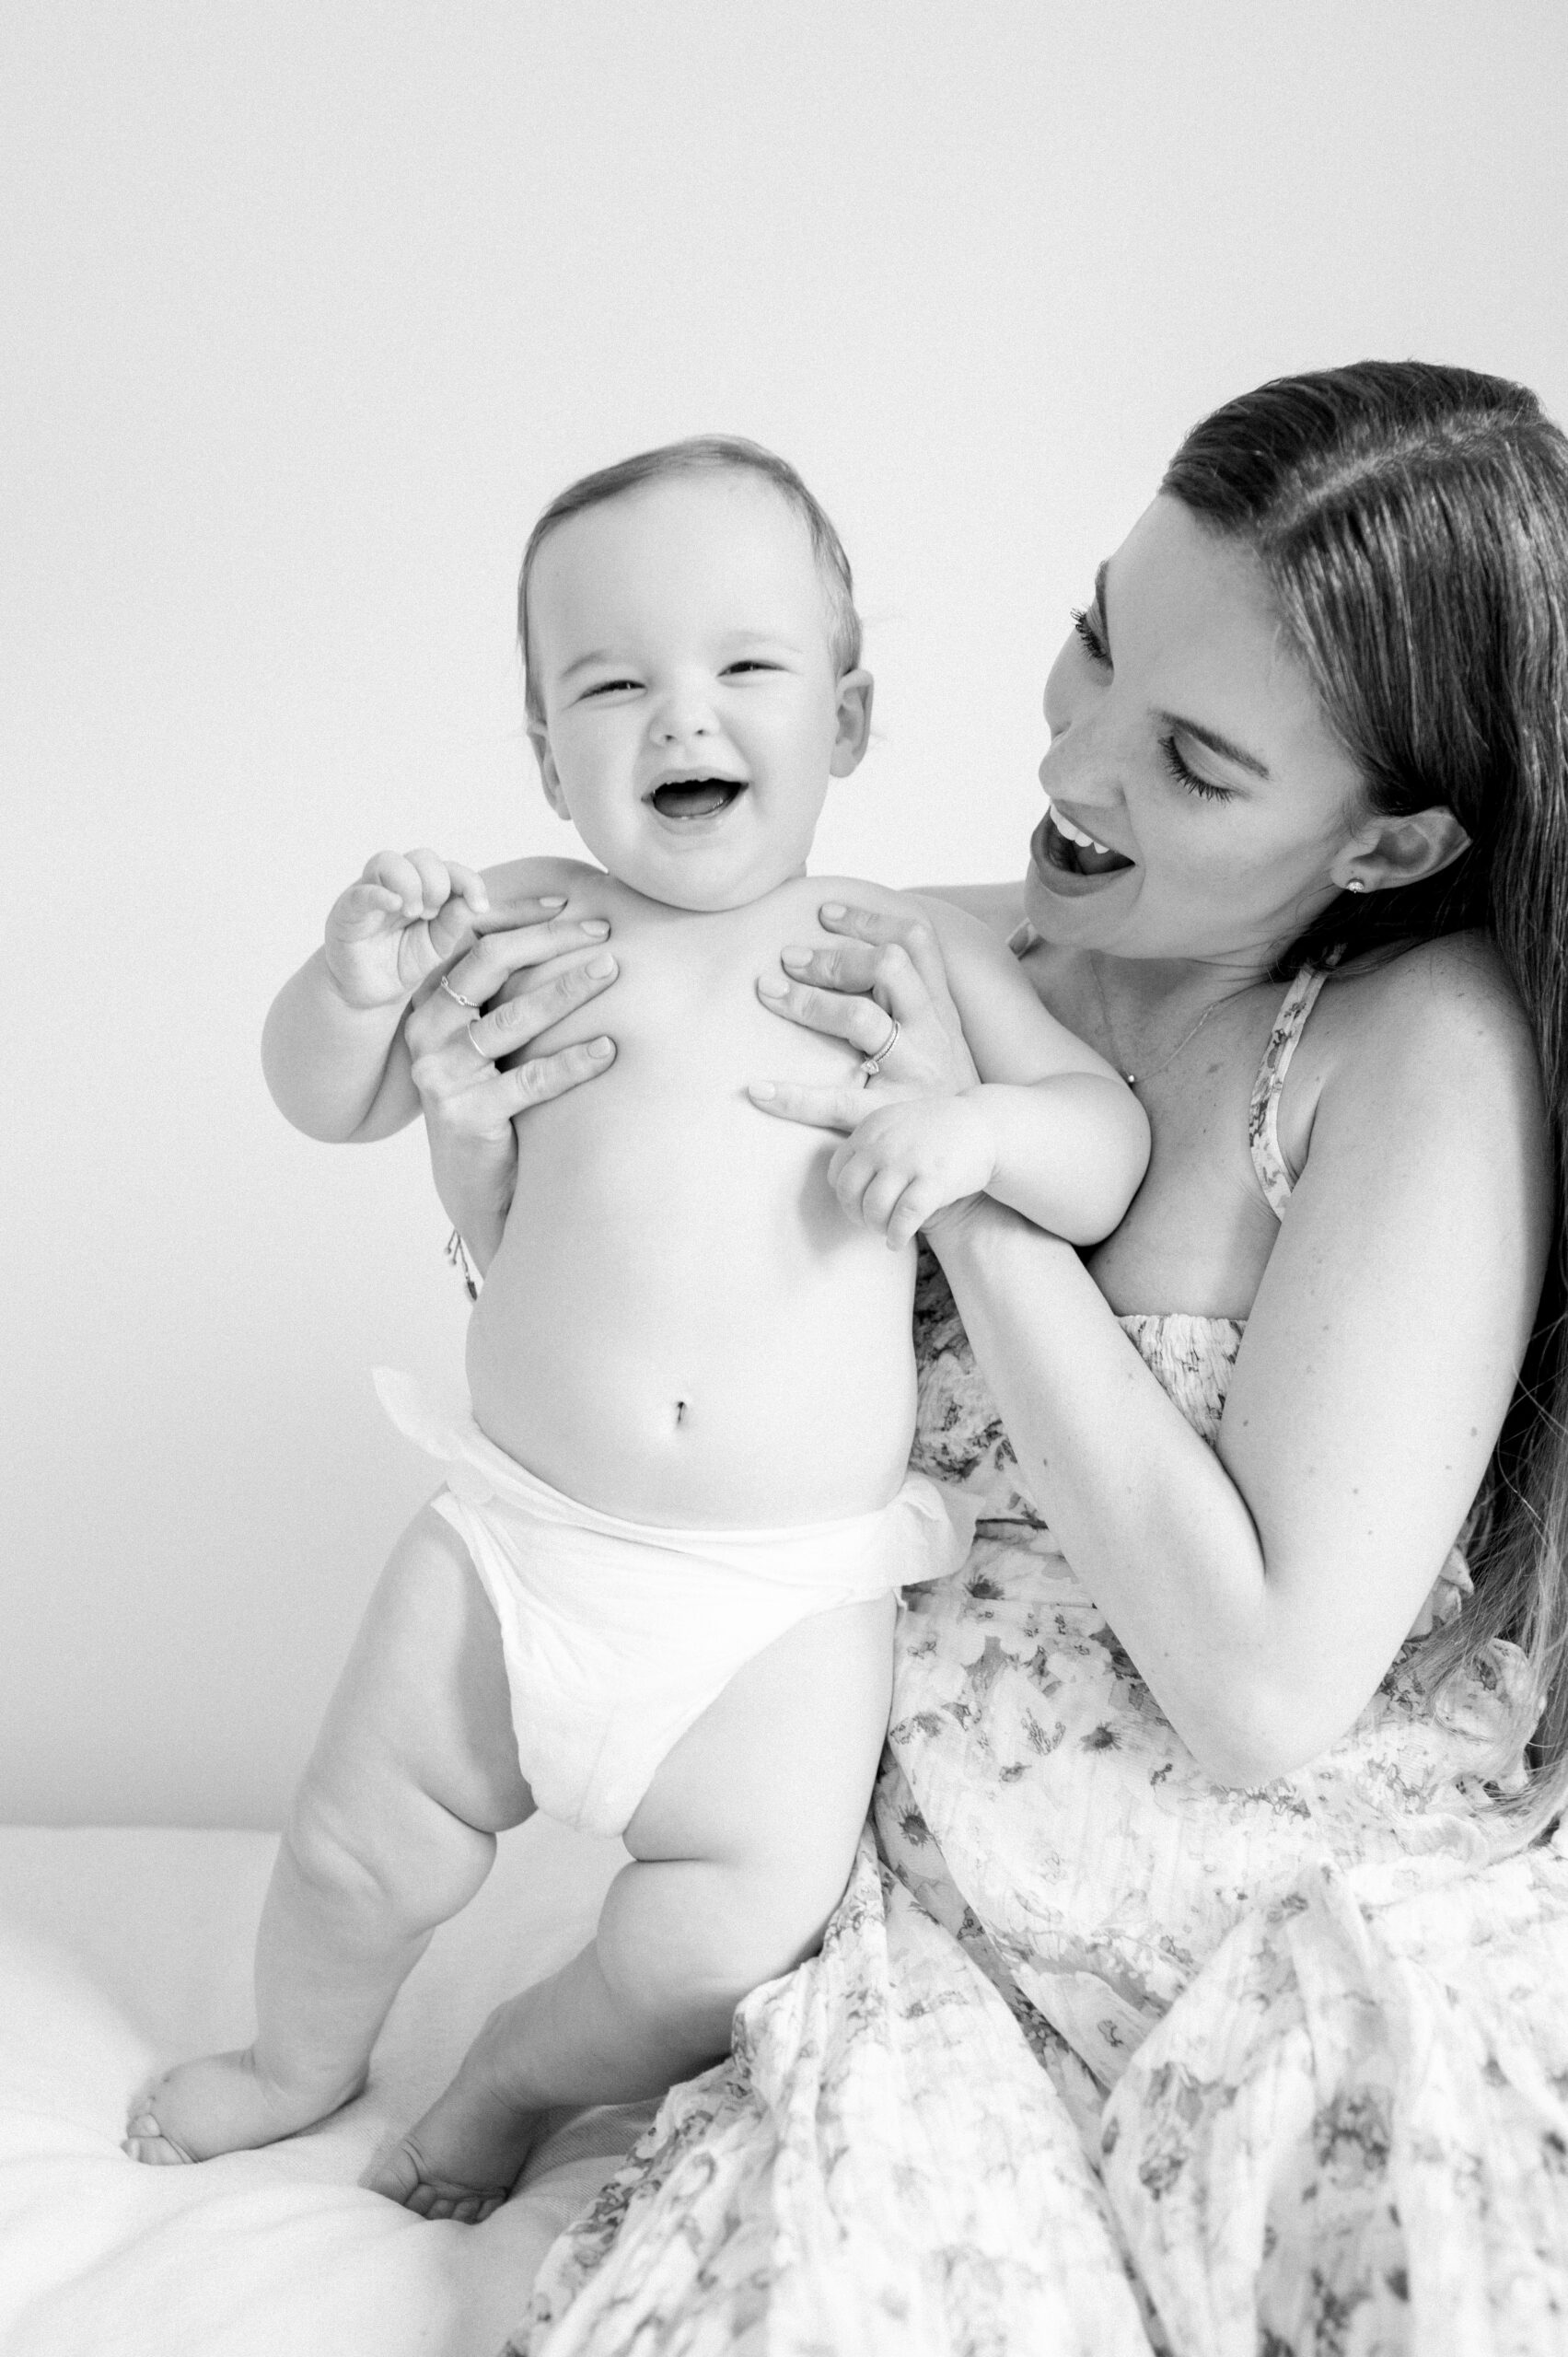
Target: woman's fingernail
pixel 553 899
pixel 831 909
pixel 600 1048
pixel 792 958
pixel 771 986
pixel 761 1088
pixel 595 926
pixel 603 964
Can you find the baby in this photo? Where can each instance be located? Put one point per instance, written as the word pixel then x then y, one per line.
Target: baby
pixel 655 1595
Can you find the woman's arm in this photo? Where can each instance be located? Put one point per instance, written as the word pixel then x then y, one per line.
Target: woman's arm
pixel 1263 1588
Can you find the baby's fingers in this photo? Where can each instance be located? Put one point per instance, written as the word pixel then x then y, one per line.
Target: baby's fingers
pixel 394 872
pixel 468 885
pixel 362 908
pixel 912 1210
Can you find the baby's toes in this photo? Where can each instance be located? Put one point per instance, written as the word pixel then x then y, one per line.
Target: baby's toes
pixel 144 2140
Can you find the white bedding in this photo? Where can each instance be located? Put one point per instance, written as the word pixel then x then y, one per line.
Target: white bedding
pixel 121 1950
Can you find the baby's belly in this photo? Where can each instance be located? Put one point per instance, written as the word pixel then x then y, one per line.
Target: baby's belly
pixel 681 1326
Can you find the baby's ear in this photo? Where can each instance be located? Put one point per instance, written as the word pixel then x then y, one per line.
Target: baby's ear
pixel 550 776
pixel 856 690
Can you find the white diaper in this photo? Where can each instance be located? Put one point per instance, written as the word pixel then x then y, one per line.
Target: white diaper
pixel 617 1635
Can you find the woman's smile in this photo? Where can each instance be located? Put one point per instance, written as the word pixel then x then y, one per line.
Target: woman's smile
pixel 1070 850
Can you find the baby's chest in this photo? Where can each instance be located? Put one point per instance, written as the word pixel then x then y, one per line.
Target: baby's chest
pixel 690 1019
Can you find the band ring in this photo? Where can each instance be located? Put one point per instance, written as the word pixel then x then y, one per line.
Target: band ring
pixel 473 1043
pixel 872 1065
pixel 447 986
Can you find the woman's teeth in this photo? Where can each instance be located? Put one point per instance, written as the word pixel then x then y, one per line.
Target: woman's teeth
pixel 1074 834
pixel 1079 854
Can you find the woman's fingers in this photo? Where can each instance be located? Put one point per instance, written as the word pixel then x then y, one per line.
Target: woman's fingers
pixel 817 1107
pixel 548 997
pixel 495 956
pixel 914 935
pixel 865 1023
pixel 538 1078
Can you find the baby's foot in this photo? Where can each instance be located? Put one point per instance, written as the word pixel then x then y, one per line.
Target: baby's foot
pixel 463 2158
pixel 221 2104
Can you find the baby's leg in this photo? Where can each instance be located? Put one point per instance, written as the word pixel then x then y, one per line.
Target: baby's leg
pixel 743 1847
pixel 392 1831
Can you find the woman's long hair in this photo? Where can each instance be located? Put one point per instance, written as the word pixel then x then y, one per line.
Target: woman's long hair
pixel 1412 522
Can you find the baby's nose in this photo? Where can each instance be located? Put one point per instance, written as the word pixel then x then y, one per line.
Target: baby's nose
pixel 684 711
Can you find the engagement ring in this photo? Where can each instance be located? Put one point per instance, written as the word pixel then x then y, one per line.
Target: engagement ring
pixel 872 1065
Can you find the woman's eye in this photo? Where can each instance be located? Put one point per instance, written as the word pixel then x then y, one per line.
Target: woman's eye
pixel 1172 752
pixel 1085 624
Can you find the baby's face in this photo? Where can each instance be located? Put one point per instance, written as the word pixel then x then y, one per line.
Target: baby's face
pixel 692 713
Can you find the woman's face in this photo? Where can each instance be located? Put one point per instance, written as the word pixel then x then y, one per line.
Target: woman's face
pixel 1188 742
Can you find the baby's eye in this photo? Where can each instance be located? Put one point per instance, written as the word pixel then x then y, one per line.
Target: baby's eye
pixel 749 663
pixel 607 688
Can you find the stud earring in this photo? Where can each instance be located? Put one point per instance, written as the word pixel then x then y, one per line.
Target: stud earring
pixel 1355 885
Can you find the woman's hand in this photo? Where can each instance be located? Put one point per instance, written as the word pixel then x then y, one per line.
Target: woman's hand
pixel 456 1039
pixel 884 969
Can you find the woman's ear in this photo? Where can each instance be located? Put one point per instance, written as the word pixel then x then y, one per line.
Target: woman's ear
pixel 854 723
pixel 550 776
pixel 1386 852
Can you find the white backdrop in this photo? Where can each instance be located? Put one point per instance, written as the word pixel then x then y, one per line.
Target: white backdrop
pixel 306 312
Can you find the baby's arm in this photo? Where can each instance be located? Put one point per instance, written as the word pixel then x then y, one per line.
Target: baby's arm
pixel 333 1048
pixel 1051 1130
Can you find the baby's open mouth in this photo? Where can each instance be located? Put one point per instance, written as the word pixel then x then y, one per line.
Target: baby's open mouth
pixel 695 797
pixel 1068 847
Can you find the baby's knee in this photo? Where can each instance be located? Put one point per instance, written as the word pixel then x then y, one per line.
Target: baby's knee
pixel 387 1848
pixel 698 1946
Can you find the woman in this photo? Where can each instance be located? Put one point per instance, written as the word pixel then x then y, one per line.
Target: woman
pixel 1229 1824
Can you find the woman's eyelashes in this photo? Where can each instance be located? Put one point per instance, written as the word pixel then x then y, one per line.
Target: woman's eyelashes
pixel 1171 752
pixel 1085 622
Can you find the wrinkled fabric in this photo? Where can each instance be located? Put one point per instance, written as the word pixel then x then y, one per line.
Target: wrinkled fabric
pixel 1100 2056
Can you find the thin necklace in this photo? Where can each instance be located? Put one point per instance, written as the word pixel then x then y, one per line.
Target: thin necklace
pixel 1187 1038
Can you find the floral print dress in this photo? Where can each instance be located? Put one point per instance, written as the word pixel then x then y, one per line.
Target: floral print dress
pixel 1099 2057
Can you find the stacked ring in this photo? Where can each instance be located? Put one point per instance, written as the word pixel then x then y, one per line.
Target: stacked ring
pixel 461 1001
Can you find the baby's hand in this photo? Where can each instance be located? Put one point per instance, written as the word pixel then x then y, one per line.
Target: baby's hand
pixel 404 918
pixel 906 1161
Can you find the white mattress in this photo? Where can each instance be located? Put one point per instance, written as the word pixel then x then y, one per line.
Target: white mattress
pixel 122 1950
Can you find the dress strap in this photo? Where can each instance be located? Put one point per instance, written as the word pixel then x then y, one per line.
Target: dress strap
pixel 1274 1174
pixel 1022 939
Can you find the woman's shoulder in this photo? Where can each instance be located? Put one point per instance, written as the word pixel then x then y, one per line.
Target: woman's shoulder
pixel 1431 1036
pixel 1434 998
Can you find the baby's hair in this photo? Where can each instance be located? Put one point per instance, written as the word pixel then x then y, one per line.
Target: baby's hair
pixel 703 454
